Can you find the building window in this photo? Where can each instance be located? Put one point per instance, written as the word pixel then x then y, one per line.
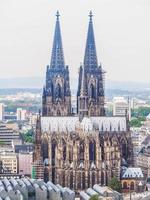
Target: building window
pixel 45 148
pixel 124 149
pixel 53 150
pixel 63 179
pixel 79 181
pixel 125 185
pixel 92 151
pixel 93 178
pixel 92 91
pixel 102 178
pixel 71 180
pixel 83 180
pixel 64 150
pixel 71 154
pixel 132 186
pixel 81 151
pixel 46 175
pixel 58 91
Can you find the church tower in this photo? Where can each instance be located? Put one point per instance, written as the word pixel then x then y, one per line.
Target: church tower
pixel 90 95
pixel 56 100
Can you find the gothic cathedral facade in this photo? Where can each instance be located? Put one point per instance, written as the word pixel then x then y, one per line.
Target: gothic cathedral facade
pixel 79 150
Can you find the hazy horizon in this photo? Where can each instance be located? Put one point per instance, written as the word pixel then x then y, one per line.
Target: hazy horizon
pixel 121 34
pixel 38 82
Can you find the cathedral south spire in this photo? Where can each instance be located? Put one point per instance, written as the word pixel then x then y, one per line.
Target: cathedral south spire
pixel 56 100
pixel 90 58
pixel 92 102
pixel 57 57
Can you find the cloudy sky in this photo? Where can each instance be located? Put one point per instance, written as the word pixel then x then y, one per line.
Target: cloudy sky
pixel 122 33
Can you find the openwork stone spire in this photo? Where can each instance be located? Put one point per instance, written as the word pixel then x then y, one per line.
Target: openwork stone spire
pixel 56 99
pixel 90 58
pixel 57 58
pixel 90 95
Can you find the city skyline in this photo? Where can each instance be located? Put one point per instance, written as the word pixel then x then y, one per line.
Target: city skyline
pixel 121 34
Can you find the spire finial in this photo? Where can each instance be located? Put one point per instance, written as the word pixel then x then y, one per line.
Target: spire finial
pixel 57 15
pixel 90 15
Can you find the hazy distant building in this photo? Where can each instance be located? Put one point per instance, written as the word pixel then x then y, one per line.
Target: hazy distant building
pixel 79 150
pixel 21 114
pixel 138 103
pixel 2 111
pixel 32 119
pixel 121 107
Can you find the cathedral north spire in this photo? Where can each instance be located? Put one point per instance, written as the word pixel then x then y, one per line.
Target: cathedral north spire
pixel 90 57
pixel 57 57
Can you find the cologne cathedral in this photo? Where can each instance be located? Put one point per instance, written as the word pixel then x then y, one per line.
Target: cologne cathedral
pixel 82 149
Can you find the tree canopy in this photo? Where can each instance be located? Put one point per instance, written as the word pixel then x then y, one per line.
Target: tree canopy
pixel 94 197
pixel 115 184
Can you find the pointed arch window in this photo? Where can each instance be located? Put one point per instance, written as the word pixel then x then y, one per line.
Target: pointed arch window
pixel 45 148
pixel 64 150
pixel 93 178
pixel 92 151
pixel 83 180
pixel 70 154
pixel 132 186
pixel 124 149
pixel 53 150
pixel 92 91
pixel 71 180
pixel 125 186
pixel 46 175
pixel 58 113
pixel 79 181
pixel 58 91
pixel 81 151
pixel 63 179
pixel 102 178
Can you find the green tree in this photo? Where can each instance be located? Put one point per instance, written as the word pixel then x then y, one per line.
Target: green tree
pixel 135 123
pixel 140 112
pixel 29 136
pixel 2 142
pixel 115 184
pixel 94 197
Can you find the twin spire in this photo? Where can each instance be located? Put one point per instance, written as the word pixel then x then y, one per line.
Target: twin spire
pixel 90 57
pixel 57 57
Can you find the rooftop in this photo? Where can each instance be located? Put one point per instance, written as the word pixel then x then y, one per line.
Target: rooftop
pixel 132 172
